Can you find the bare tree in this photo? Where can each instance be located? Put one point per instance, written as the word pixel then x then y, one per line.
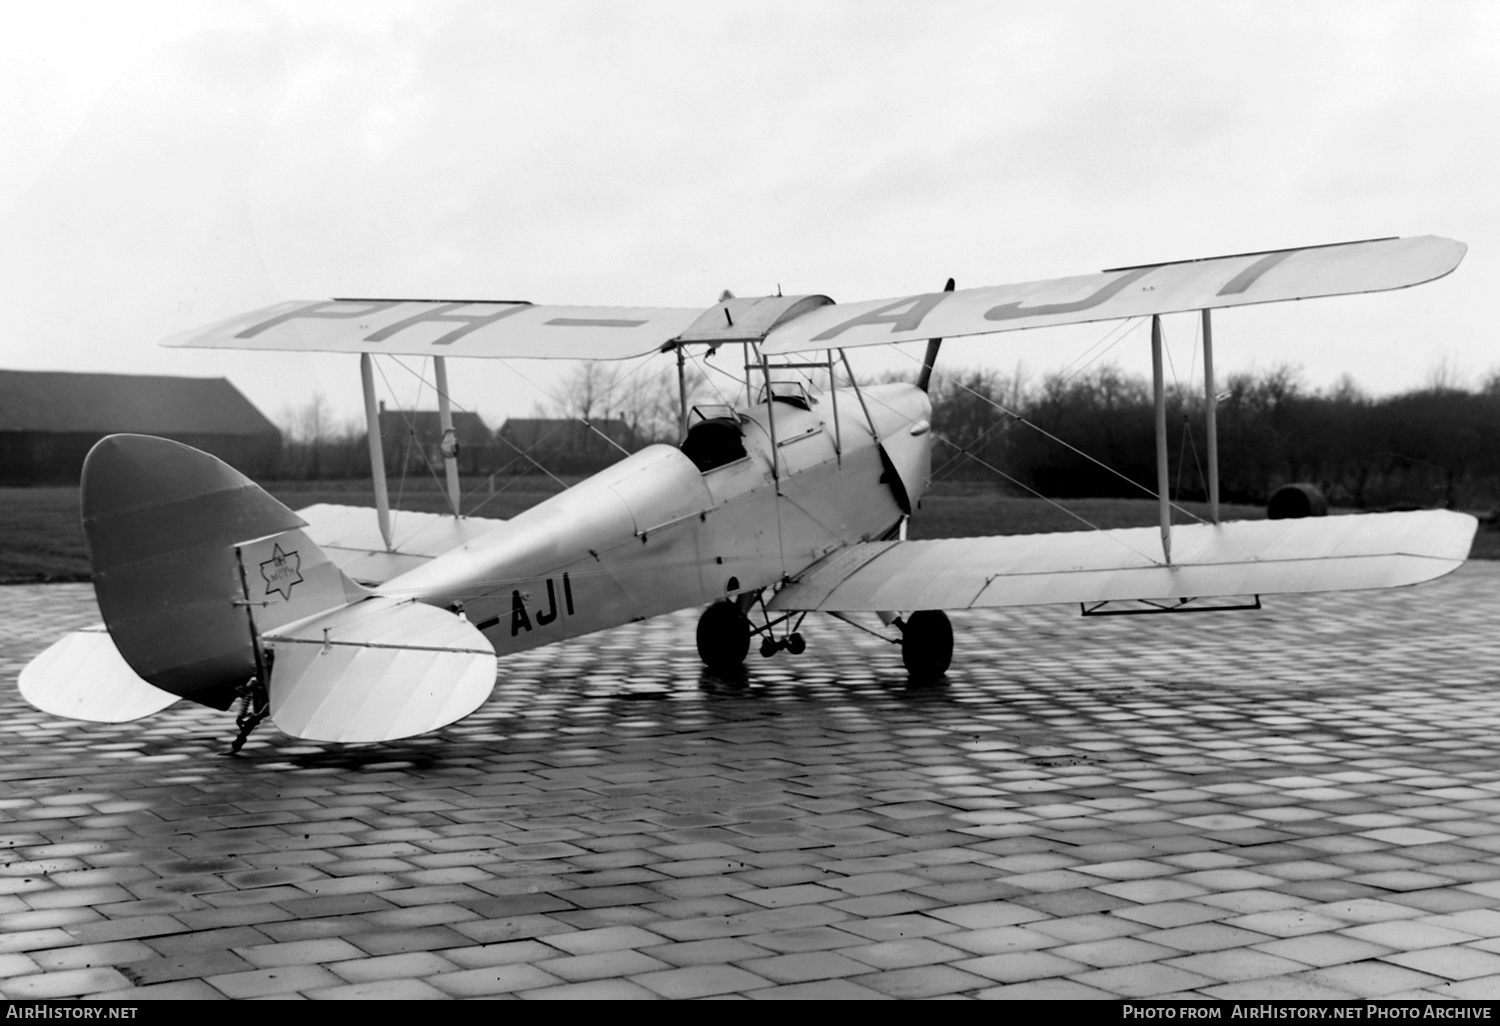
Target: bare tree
pixel 589 390
pixel 647 403
pixel 1445 375
pixel 310 427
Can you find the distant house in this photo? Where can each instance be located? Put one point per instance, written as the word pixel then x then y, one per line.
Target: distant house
pixel 566 446
pixel 413 438
pixel 50 419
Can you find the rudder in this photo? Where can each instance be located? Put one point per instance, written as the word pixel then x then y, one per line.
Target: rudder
pixel 191 560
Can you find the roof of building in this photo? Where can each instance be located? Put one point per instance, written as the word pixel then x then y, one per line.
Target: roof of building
pixel 65 402
pixel 426 424
pixel 545 434
pixel 615 427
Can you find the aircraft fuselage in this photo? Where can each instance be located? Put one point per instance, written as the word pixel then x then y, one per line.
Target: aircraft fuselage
pixel 656 532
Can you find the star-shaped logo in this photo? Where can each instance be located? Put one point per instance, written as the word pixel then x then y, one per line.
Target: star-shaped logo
pixel 281 571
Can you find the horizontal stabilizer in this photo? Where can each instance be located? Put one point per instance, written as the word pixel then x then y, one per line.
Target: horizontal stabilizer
pixel 377 670
pixel 1251 557
pixel 350 535
pixel 83 676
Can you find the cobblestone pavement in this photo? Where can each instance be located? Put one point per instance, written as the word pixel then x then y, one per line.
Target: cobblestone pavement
pixel 1302 802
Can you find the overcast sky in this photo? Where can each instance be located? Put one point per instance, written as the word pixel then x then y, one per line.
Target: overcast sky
pixel 170 164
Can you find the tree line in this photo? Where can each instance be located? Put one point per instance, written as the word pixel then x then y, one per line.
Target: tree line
pixel 1431 446
pixel 1091 434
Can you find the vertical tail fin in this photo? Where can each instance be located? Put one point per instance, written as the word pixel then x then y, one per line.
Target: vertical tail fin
pixel 191 560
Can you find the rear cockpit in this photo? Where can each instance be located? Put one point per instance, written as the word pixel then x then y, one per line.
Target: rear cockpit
pixel 715 438
pixel 716 431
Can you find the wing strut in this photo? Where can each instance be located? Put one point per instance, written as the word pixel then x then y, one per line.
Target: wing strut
pixel 833 397
pixel 682 404
pixel 765 366
pixel 450 437
pixel 377 451
pixel 1211 406
pixel 1163 500
pixel 930 358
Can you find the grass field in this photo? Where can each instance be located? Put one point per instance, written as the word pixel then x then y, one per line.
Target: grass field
pixel 41 539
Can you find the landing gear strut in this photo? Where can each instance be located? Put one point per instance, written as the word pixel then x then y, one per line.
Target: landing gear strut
pixel 793 643
pixel 926 644
pixel 724 633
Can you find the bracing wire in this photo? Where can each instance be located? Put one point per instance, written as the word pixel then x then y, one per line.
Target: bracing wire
pixel 1062 442
pixel 1076 516
pixel 1125 329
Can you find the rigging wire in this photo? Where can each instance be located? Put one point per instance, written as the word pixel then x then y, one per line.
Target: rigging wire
pixel 1126 329
pixel 522 453
pixel 1065 444
pixel 411 434
pixel 1076 516
pixel 537 443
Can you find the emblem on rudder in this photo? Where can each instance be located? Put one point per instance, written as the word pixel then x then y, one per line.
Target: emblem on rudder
pixel 281 572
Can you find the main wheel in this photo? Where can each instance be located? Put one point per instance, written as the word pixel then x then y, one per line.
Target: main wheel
pixel 927 644
pixel 723 636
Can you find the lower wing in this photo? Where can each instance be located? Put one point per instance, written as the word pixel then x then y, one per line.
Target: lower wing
pixel 1252 557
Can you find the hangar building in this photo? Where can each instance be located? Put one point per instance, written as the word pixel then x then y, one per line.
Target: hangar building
pixel 50 419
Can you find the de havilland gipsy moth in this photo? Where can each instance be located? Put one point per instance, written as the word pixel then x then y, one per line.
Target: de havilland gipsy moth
pixel 342 628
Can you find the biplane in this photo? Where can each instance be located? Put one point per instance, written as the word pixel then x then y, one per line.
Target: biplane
pixel 348 626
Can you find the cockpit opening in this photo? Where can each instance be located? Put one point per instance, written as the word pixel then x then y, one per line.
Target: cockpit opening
pixel 714 441
pixel 790 392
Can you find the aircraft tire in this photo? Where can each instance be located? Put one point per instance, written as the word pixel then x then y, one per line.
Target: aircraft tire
pixel 927 644
pixel 723 636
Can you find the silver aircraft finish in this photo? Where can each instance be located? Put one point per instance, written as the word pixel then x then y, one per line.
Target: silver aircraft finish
pixel 341 626
pixel 654 533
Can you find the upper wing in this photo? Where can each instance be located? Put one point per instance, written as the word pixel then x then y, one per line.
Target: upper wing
pixel 1271 277
pixel 789 324
pixel 1252 557
pixel 447 328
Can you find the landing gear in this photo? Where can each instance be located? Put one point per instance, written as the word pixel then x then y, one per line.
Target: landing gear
pixel 724 633
pixel 927 644
pixel 255 705
pixel 723 636
pixel 793 643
